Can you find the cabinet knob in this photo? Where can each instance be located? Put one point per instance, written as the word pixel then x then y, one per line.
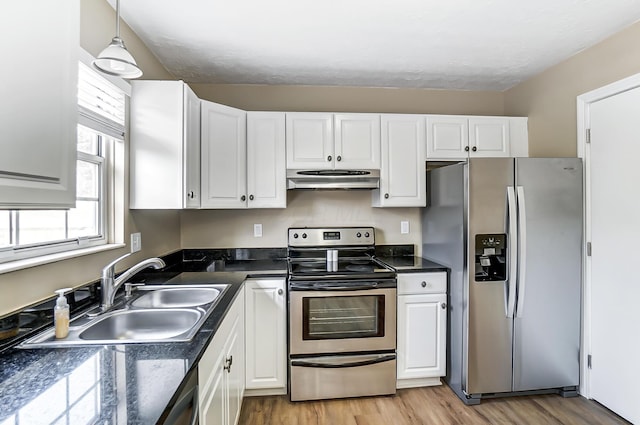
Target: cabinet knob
pixel 466 148
pixel 243 198
pixel 339 158
pixel 228 362
pixel 423 284
pixel 280 291
pixel 474 149
pixel 443 305
pixel 329 158
pixel 251 197
pixel 191 194
pixel 386 196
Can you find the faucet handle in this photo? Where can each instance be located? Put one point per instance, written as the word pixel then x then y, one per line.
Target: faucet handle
pixel 129 287
pixel 109 269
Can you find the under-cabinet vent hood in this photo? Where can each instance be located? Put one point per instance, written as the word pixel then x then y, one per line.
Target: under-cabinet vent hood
pixel 333 179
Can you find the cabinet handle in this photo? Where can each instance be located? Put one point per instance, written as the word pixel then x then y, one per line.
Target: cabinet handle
pixel 251 197
pixel 386 196
pixel 424 284
pixel 443 305
pixel 243 198
pixel 474 149
pixel 466 148
pixel 191 194
pixel 280 291
pixel 339 158
pixel 228 362
pixel 329 158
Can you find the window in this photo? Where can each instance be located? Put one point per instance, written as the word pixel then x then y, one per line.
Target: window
pixel 101 123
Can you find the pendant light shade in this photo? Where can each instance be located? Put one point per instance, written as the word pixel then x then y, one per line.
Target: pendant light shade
pixel 115 59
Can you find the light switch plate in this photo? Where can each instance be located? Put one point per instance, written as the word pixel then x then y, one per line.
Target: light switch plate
pixel 257 230
pixel 136 242
pixel 404 227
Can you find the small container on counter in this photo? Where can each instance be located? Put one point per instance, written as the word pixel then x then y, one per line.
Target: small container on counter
pixel 61 314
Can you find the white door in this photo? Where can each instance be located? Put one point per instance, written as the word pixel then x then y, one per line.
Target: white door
pixel 266 331
pixel 224 156
pixel 266 160
pixel 447 137
pixel 615 286
pixel 309 140
pixel 488 137
pixel 191 166
pixel 422 329
pixel 402 171
pixel 357 141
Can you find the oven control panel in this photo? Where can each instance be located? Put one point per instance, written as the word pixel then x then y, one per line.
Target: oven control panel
pixel 332 236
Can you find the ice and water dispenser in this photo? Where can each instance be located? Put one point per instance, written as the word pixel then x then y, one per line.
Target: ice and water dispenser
pixel 491 256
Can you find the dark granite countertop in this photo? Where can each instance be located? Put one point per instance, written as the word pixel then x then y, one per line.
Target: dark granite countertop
pixel 117 384
pixel 412 264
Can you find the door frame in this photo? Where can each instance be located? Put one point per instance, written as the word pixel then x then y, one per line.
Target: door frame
pixel 583 103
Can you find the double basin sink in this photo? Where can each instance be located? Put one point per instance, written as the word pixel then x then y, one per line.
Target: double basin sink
pixel 156 313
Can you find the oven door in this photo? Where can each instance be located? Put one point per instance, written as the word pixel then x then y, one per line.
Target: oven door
pixel 348 319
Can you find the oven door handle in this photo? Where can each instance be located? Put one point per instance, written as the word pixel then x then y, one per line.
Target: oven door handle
pixel 359 287
pixel 375 360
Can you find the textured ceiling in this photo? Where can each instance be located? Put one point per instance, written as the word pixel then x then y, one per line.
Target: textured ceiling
pixel 445 44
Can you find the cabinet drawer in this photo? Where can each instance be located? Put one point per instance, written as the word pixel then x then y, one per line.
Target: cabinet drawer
pixel 422 283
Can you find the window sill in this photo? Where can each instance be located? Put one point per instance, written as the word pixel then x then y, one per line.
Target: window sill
pixel 52 258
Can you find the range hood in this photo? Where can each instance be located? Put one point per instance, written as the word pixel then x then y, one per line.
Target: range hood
pixel 333 179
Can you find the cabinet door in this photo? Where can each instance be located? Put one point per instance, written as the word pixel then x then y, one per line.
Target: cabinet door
pixel 489 137
pixel 309 141
pixel 213 407
pixel 235 370
pixel 447 137
pixel 224 156
pixel 421 336
pixel 266 333
pixel 402 171
pixel 266 166
pixel 357 141
pixel 191 170
pixel 39 109
pixel 164 152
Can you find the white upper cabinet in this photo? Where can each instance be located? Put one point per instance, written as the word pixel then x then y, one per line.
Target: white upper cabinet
pixel 165 146
pixel 224 156
pixel 357 141
pixel 488 137
pixel 39 111
pixel 333 141
pixel 266 167
pixel 402 170
pixel 243 158
pixel 459 137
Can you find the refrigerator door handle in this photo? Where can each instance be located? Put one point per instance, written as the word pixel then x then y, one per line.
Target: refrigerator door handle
pixel 510 285
pixel 522 249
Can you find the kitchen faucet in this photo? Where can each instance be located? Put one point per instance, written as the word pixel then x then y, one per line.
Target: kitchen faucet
pixel 109 284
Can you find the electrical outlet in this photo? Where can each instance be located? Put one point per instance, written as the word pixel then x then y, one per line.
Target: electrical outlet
pixel 404 227
pixel 257 230
pixel 136 242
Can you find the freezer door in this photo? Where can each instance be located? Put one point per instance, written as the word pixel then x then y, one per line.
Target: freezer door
pixel 547 317
pixel 488 358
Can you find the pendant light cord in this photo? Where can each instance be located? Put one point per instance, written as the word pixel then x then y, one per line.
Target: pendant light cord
pixel 117 18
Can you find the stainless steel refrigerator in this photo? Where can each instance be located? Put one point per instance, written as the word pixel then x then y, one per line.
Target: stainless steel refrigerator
pixel 510 230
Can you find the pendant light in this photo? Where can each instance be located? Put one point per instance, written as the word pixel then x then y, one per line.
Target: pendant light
pixel 115 59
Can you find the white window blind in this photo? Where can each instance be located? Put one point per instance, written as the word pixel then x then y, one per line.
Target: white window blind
pixel 100 102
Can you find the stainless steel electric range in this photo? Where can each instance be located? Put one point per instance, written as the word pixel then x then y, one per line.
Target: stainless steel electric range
pixel 342 315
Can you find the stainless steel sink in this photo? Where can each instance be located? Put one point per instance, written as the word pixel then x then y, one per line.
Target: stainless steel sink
pixel 156 313
pixel 176 297
pixel 142 325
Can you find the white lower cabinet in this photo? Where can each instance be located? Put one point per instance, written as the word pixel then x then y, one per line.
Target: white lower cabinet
pixel 422 328
pixel 221 370
pixel 266 343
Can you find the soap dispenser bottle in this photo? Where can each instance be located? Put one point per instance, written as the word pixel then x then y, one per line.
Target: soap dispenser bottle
pixel 61 314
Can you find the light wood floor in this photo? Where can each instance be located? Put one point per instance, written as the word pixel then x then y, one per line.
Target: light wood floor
pixel 426 406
